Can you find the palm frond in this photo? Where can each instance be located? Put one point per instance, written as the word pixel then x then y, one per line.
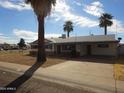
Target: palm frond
pixel 41 7
pixel 105 20
pixel 68 26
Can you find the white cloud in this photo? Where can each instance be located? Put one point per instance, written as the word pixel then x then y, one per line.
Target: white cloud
pixel 27 35
pixel 5 39
pixel 63 12
pixel 30 36
pixel 53 35
pixel 17 6
pixel 95 8
pixel 1 34
pixel 77 2
pixel 2 39
pixel 117 26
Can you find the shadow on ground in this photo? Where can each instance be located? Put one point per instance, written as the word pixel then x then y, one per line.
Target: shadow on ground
pixel 14 85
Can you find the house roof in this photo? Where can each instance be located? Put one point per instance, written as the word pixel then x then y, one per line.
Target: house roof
pixel 36 41
pixel 83 39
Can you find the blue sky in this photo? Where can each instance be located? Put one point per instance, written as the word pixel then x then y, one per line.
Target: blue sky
pixel 17 20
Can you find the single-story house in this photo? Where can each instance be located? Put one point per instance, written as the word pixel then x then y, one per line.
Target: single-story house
pixel 105 45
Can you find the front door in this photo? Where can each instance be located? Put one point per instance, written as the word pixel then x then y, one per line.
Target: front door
pixel 58 49
pixel 88 49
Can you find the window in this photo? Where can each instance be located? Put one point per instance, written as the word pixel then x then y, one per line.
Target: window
pixel 66 47
pixel 48 46
pixel 103 45
pixel 33 46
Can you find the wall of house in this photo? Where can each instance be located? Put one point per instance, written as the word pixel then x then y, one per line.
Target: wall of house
pixel 121 50
pixel 108 51
pixel 50 50
pixel 78 48
pixel 82 50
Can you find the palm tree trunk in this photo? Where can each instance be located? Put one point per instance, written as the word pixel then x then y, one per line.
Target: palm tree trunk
pixel 41 55
pixel 105 30
pixel 67 33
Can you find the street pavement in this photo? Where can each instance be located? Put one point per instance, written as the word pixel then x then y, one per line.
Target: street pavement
pixel 98 77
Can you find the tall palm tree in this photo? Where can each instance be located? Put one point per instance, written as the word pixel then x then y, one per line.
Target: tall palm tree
pixel 42 8
pixel 68 27
pixel 105 20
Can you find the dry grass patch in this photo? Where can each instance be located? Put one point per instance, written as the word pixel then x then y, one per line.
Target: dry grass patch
pixel 119 69
pixel 23 58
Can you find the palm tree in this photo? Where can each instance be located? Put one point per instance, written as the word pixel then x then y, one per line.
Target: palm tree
pixel 105 20
pixel 42 8
pixel 68 27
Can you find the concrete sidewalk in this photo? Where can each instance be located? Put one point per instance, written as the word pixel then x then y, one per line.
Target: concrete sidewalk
pixel 98 77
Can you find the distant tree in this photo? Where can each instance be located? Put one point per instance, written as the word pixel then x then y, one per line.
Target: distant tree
pixel 105 20
pixel 119 39
pixel 22 44
pixel 68 27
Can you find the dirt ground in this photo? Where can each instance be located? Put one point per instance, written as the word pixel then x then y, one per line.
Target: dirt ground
pixel 25 59
pixel 119 68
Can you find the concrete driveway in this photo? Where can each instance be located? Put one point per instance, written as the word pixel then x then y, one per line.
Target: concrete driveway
pixel 94 76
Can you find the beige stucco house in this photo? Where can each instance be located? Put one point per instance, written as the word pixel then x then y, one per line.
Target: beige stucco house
pixel 105 45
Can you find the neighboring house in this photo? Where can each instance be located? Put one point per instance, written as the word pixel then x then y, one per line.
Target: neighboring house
pixel 14 46
pixel 1 48
pixel 105 45
pixel 7 46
